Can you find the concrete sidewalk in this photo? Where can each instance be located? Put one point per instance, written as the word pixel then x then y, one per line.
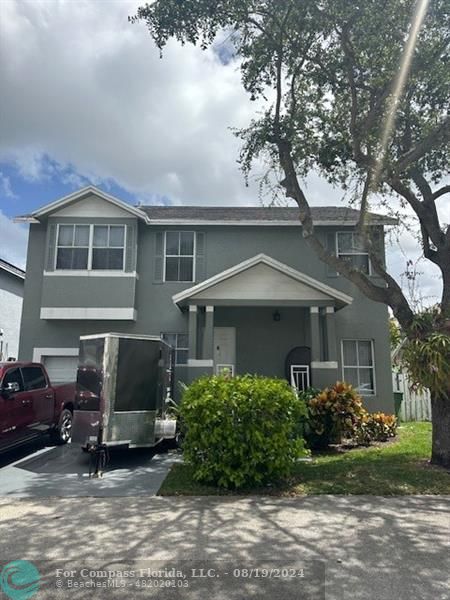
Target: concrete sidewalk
pixel 373 548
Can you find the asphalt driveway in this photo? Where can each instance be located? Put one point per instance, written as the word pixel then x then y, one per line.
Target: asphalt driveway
pixel 372 548
pixel 64 471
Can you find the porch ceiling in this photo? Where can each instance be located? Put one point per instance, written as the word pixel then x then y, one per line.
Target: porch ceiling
pixel 260 281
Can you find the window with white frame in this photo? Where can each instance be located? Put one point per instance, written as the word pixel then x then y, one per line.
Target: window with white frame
pixel 90 247
pixel 179 252
pixel 180 343
pixel 358 365
pixel 350 247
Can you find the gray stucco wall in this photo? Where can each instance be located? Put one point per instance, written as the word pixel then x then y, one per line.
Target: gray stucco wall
pixel 11 292
pixel 260 340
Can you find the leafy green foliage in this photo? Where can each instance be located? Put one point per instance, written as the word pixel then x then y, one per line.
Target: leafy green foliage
pixel 241 431
pixel 426 352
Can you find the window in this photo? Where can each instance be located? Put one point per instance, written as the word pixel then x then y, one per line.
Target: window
pixel 179 255
pixel 13 376
pixel 34 378
pixel 358 365
pixel 90 247
pixel 350 247
pixel 180 343
pixel 73 247
pixel 108 247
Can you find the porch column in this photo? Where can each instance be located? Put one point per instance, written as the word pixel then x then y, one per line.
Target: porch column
pixel 331 333
pixel 192 354
pixel 208 338
pixel 315 333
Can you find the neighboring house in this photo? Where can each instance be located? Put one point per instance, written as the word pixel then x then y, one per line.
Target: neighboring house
pixel 11 293
pixel 230 288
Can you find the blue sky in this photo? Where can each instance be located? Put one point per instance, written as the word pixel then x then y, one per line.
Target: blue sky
pixel 21 195
pixel 85 98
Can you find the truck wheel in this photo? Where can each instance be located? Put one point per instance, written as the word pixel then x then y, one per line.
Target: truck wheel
pixel 63 431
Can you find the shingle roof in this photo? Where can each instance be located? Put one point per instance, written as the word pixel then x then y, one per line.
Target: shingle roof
pixel 320 214
pixel 7 266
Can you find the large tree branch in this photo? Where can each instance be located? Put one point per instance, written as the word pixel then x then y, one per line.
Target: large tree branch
pixel 441 192
pixel 440 134
pixel 391 294
pixel 428 219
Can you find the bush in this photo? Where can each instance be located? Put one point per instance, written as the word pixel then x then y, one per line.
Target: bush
pixel 378 427
pixel 241 431
pixel 334 413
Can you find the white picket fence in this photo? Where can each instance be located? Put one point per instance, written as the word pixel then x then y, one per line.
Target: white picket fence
pixel 416 406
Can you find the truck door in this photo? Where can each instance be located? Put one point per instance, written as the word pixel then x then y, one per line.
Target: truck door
pixel 16 410
pixel 35 382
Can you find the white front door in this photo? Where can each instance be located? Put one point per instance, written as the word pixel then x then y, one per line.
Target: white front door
pixel 224 349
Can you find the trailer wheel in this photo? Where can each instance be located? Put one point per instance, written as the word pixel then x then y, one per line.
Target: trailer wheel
pixel 63 432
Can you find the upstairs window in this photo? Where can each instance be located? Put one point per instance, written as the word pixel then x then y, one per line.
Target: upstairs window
pixel 72 250
pixel 179 252
pixel 350 247
pixel 358 365
pixel 90 247
pixel 108 247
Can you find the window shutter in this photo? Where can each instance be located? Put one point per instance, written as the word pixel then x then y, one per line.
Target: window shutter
pixel 331 247
pixel 159 257
pixel 51 248
pixel 200 257
pixel 130 251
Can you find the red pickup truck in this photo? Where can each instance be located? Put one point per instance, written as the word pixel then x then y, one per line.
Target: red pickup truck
pixel 31 407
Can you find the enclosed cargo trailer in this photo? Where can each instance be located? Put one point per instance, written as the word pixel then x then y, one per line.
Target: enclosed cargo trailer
pixel 124 386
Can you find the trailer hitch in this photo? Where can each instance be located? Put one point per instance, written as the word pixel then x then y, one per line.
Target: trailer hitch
pixel 98 457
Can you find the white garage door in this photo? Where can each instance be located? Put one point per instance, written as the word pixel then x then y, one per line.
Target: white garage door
pixel 61 369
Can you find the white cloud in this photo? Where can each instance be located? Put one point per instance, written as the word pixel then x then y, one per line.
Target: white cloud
pixel 88 90
pixel 13 241
pixel 5 187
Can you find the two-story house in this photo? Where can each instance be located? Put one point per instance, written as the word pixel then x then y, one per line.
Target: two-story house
pixel 11 293
pixel 233 288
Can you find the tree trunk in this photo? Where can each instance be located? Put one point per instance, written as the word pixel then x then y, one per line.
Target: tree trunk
pixel 440 412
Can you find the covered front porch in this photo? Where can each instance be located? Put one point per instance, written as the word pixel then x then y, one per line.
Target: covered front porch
pixel 263 317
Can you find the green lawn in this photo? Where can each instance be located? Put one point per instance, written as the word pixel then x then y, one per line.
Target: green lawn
pixel 398 467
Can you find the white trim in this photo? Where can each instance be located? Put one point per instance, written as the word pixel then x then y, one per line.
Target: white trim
pixel 209 309
pixel 9 270
pixel 324 364
pixel 133 336
pixel 198 362
pixel 70 313
pixel 330 310
pixel 230 367
pixel 344 366
pixel 94 273
pixel 314 310
pixel 193 308
pixel 38 353
pixel 90 189
pixel 302 369
pixel 261 223
pixel 271 262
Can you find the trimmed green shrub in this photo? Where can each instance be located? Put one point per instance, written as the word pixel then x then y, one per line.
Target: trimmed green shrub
pixel 241 431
